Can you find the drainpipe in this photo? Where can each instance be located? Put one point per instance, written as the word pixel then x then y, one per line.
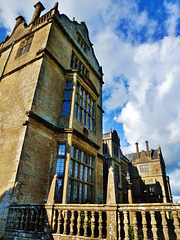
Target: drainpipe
pixel 7 59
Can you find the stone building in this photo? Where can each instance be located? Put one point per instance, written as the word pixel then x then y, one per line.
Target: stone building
pixel 51 125
pixel 147 172
pixel 120 164
pixel 51 113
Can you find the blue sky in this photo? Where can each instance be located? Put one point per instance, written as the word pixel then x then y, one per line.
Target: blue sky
pixel 137 43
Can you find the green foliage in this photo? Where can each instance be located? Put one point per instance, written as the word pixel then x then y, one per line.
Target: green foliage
pixel 83 217
pixel 131 232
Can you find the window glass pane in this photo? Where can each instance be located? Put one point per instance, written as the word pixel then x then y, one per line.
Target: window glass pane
pixel 71 168
pixel 92 112
pixel 68 84
pixel 77 170
pixel 77 154
pixel 85 192
pixel 75 192
pixel 84 118
pixel 89 100
pixel 59 183
pixel 82 156
pixel 69 191
pixel 88 122
pixel 60 166
pixel 80 101
pixel 87 159
pixel 80 192
pixel 84 105
pixel 80 114
pixel 62 149
pixel 85 95
pixel 89 109
pixel 67 95
pixel 81 92
pixel 66 108
pixel 90 175
pixel 86 174
pixel 90 193
pixel 91 161
pixel 72 61
pixel 77 87
pixel 76 111
pixel 82 173
pixel 77 97
pixel 76 64
pixel 92 124
pixel 72 151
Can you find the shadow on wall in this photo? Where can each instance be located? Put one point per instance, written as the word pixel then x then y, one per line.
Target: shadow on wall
pixel 22 221
pixel 5 200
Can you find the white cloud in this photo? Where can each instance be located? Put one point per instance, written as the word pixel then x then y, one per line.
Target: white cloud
pixel 173 11
pixel 175 183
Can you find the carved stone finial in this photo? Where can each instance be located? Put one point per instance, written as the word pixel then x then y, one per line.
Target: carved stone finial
pixel 52 190
pixel 56 5
pixel 111 196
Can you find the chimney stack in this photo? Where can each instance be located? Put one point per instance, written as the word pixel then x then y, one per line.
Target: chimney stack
pixel 137 150
pixel 147 148
pixel 38 9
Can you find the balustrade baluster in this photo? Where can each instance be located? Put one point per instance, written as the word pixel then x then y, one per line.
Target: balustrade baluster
pixel 18 218
pixel 59 221
pixel 37 220
pixel 41 219
pixel 11 220
pixel 144 224
pixel 164 225
pixel 54 220
pixel 153 224
pixel 21 226
pixel 119 226
pixel 32 220
pixel 92 224
pixel 126 227
pixel 176 224
pixel 100 224
pixel 65 221
pixel 79 223
pixel 26 225
pixel 72 223
pixel 135 226
pixel 85 223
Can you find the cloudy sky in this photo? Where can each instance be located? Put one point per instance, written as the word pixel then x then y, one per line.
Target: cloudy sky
pixel 137 42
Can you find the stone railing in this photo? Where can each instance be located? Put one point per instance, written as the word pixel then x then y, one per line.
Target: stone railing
pixel 95 221
pixel 44 18
pixel 130 221
pixel 30 218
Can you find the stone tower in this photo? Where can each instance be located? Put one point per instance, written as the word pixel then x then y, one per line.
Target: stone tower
pixel 51 113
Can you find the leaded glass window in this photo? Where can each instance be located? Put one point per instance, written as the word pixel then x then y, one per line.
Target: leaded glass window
pixel 81 175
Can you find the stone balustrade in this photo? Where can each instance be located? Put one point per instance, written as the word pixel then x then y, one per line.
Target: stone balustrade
pixel 90 221
pixel 30 218
pixel 44 18
pixel 147 221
